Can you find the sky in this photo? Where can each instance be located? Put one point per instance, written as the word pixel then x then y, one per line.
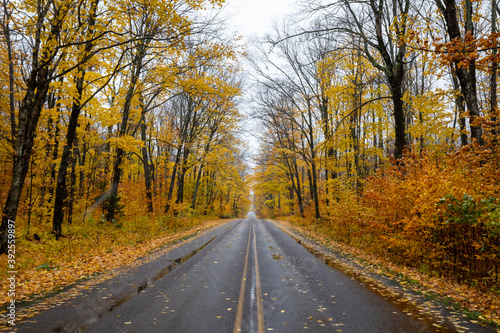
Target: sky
pixel 255 17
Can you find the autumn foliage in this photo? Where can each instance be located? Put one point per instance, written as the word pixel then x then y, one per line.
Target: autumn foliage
pixel 130 115
pixel 436 213
pixel 118 125
pixel 346 91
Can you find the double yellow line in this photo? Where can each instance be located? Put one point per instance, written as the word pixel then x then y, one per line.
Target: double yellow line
pixel 260 310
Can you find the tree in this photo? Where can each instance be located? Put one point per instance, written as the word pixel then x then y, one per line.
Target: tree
pixel 295 82
pixel 48 44
pixel 465 71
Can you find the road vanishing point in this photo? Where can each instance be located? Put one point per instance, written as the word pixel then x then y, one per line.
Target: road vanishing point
pixel 243 276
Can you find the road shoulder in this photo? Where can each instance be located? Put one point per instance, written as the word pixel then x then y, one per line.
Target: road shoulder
pixel 389 281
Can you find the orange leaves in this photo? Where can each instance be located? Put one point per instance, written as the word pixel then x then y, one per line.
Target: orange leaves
pixel 414 223
pixel 464 51
pixel 403 214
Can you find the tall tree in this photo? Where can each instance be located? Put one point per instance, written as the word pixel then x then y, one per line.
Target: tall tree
pixel 48 49
pixel 465 70
pixel 381 26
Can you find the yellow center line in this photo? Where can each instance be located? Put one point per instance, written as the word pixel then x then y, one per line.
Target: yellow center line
pixel 260 311
pixel 239 311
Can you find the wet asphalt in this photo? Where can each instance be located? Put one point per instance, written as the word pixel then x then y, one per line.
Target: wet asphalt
pixel 245 276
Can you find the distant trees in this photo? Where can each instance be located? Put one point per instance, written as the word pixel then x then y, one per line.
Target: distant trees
pixel 289 101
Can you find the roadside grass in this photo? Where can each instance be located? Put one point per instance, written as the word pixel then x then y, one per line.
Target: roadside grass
pixel 89 248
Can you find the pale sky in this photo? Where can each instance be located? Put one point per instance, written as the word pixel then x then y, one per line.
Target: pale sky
pixel 255 17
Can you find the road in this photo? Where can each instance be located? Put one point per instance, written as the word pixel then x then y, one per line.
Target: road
pixel 246 276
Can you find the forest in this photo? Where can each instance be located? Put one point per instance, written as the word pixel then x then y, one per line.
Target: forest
pixel 119 123
pixel 381 130
pixel 378 127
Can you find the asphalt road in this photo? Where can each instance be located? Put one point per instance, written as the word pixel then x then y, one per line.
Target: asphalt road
pixel 246 276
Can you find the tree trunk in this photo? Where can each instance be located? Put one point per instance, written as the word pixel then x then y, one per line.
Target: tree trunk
pixel 205 152
pixel 196 186
pixel 399 118
pixel 82 158
pixel 58 216
pixel 147 171
pixel 394 71
pixel 325 121
pixel 180 181
pixel 466 76
pixel 314 188
pixel 460 103
pixel 30 110
pixel 12 110
pixel 117 170
pixel 71 201
pixel 299 190
pixel 29 114
pixel 172 180
pixel 77 106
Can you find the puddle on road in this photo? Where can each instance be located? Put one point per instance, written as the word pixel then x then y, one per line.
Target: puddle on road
pixel 144 285
pixel 175 263
pixel 433 320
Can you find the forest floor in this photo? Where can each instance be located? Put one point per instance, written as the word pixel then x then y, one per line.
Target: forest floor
pixel 467 301
pixel 45 266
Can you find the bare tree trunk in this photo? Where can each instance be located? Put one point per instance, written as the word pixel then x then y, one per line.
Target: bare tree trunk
pixel 172 180
pixel 466 76
pixel 8 42
pixel 299 190
pixel 182 175
pixel 145 163
pixel 71 201
pixel 460 103
pixel 494 68
pixel 117 169
pixel 58 216
pixel 198 177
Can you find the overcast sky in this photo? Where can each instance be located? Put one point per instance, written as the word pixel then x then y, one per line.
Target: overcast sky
pixel 255 17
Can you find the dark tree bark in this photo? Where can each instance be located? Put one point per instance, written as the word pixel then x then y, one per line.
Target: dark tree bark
pixel 147 169
pixel 182 176
pixel 136 70
pixel 393 54
pixel 10 57
pixel 213 130
pixel 172 179
pixel 77 106
pixel 37 86
pixel 180 157
pixel 71 201
pixel 314 172
pixel 460 104
pixel 466 75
